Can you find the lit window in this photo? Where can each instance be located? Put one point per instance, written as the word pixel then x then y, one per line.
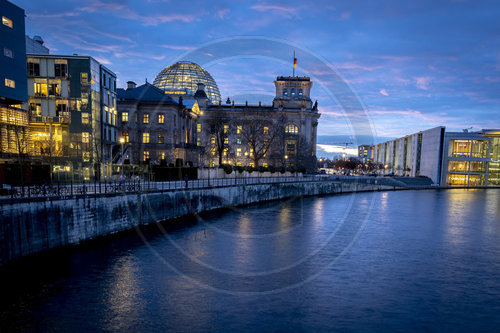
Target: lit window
pixel 146 155
pixel 252 165
pixel 238 164
pixel 266 130
pixel 225 151
pixel 213 151
pixel 198 128
pixel 124 117
pixel 8 22
pixel 84 78
pixel 238 152
pixel 238 141
pixel 8 52
pixel 292 92
pixel 285 92
pixel 300 92
pixel 198 141
pixel 212 140
pixel 226 141
pixel 226 129
pixel 85 118
pixel 161 155
pixel 86 156
pixel 145 118
pixel 291 129
pixel 125 136
pixel 145 137
pixel 161 119
pixel 264 165
pixel 238 129
pixel 41 89
pixel 85 137
pixel 212 164
pixel 161 138
pixel 10 83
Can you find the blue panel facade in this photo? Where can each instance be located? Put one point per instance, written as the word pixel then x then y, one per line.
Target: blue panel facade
pixel 12 55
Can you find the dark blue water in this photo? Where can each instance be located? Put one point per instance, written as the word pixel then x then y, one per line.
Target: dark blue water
pixel 393 261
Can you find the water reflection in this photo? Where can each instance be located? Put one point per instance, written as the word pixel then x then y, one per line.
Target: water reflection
pixel 422 260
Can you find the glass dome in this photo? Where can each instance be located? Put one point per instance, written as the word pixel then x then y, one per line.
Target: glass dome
pixel 185 74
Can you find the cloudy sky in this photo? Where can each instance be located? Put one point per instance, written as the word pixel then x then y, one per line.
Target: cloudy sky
pixel 412 65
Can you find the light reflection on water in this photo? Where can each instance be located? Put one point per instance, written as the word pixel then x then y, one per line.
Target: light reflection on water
pixel 425 260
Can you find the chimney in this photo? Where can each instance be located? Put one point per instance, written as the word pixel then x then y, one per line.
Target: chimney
pixel 131 85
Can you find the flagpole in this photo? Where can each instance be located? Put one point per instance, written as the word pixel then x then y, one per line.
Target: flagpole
pixel 293 63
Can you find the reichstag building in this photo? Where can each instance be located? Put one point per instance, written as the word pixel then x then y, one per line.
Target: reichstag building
pixel 207 130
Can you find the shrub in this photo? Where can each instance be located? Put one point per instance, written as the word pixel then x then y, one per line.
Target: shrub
pixel 262 169
pixel 240 169
pixel 249 169
pixel 272 169
pixel 227 168
pixel 282 170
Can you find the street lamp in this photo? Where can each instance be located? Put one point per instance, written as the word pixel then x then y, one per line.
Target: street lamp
pixel 122 141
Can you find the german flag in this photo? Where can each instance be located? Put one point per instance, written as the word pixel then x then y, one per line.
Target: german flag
pixel 294 62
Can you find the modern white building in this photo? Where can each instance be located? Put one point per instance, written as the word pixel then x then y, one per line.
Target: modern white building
pixel 448 158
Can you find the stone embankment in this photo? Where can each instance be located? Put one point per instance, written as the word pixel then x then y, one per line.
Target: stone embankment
pixel 32 226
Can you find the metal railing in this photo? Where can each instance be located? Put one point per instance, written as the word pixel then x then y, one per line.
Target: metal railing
pixel 59 190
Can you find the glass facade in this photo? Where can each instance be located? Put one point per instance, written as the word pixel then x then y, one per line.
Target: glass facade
pixel 468 164
pixel 494 165
pixel 185 74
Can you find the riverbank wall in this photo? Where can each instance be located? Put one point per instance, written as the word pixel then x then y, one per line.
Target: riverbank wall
pixel 29 227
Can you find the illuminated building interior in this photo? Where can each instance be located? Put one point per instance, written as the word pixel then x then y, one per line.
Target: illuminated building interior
pixel 186 75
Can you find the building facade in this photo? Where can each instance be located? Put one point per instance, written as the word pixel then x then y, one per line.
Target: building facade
pixel 281 134
pixel 72 115
pixel 366 153
pixel 448 158
pixel 14 128
pixel 156 128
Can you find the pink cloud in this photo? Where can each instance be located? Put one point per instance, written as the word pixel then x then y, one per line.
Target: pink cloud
pixel 222 13
pixel 121 10
pixel 283 10
pixel 178 47
pixel 422 82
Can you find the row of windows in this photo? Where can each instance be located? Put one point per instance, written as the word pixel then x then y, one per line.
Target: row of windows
pixel 290 129
pixel 145 118
pixel 60 70
pixel 145 137
pixel 292 92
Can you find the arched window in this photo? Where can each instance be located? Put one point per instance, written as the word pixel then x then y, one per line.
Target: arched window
pixel 300 92
pixel 285 92
pixel 291 129
pixel 292 92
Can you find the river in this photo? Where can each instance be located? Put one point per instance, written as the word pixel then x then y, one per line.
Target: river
pixel 424 260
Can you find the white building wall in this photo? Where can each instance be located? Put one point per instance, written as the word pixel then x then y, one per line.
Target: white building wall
pixel 430 159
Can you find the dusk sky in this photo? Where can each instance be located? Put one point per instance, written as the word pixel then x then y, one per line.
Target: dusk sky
pixel 413 64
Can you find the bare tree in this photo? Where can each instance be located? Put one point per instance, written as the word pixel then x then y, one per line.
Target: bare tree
pixel 259 134
pixel 219 128
pixel 22 145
